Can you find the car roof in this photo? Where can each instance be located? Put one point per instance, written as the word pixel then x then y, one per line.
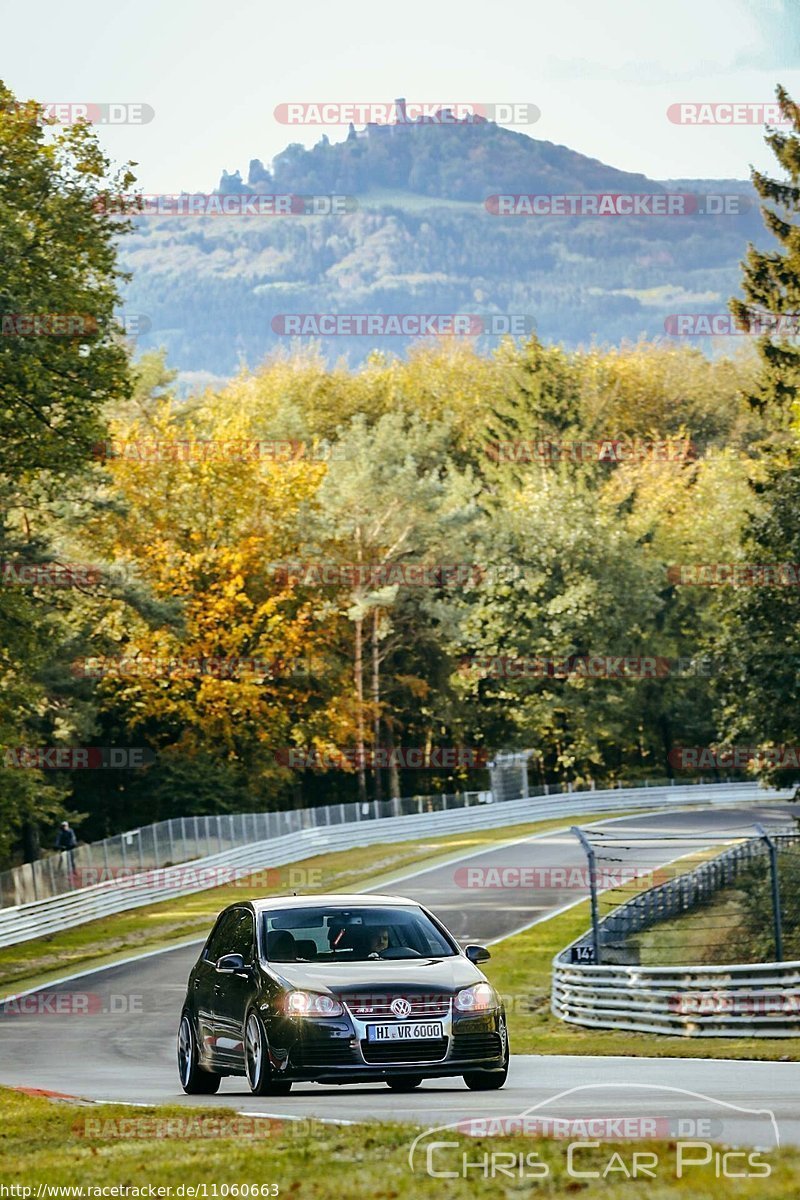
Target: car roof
pixel 333 900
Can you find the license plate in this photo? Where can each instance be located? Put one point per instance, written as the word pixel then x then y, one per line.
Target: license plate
pixel 404 1031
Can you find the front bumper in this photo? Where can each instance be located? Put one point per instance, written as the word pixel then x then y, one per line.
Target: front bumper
pixel 338 1049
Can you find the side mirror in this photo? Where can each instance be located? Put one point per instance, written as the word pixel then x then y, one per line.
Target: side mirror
pixel 477 954
pixel 232 964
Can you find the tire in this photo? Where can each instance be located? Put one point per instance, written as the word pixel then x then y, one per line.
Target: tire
pixel 256 1060
pixel 486 1081
pixel 195 1080
pixel 404 1083
pixel 491 1081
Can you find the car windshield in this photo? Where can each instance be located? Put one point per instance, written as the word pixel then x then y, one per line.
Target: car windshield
pixel 331 935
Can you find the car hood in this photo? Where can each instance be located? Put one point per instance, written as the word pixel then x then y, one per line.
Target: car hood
pixel 406 975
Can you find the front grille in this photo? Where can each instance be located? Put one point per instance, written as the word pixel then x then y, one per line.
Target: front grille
pixel 307 1055
pixel 427 1050
pixel 477 1045
pixel 379 1005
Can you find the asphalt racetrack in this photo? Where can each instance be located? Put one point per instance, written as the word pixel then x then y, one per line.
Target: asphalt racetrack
pixel 123 1047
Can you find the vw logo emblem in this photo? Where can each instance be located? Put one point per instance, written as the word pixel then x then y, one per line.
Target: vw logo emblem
pixel 400 1007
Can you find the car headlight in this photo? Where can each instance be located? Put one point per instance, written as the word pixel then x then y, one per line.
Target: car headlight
pixel 477 998
pixel 311 1004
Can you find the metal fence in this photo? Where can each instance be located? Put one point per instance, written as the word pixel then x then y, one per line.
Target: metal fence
pixel 610 938
pixel 594 985
pixel 511 774
pixel 48 916
pixel 184 839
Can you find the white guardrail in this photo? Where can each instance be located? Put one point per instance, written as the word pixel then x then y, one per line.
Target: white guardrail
pixel 730 1000
pixel 743 1000
pixel 23 922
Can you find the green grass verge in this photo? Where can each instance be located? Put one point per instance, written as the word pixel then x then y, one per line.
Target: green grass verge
pixel 58 1144
pixel 40 960
pixel 520 969
pixel 704 935
pixel 735 924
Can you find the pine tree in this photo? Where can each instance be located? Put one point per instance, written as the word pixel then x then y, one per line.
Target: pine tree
pixel 771 278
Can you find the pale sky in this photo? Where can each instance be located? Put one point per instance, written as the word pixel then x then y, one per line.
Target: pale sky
pixel 603 72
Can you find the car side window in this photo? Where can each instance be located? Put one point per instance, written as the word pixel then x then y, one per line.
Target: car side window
pixel 219 942
pixel 242 937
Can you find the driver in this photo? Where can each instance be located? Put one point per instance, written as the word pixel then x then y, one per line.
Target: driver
pixel 378 939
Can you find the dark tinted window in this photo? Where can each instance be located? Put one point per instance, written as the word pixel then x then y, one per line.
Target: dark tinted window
pixel 242 937
pixel 329 935
pixel 218 943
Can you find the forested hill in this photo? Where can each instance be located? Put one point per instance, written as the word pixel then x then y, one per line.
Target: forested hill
pixel 460 161
pixel 422 241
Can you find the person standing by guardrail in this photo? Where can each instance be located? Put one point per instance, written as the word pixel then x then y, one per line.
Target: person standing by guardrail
pixel 66 842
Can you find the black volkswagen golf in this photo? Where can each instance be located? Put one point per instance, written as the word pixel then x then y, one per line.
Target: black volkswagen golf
pixel 338 989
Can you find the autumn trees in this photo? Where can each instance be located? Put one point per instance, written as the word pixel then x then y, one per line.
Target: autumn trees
pixel 271 640
pixel 61 361
pixel 296 579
